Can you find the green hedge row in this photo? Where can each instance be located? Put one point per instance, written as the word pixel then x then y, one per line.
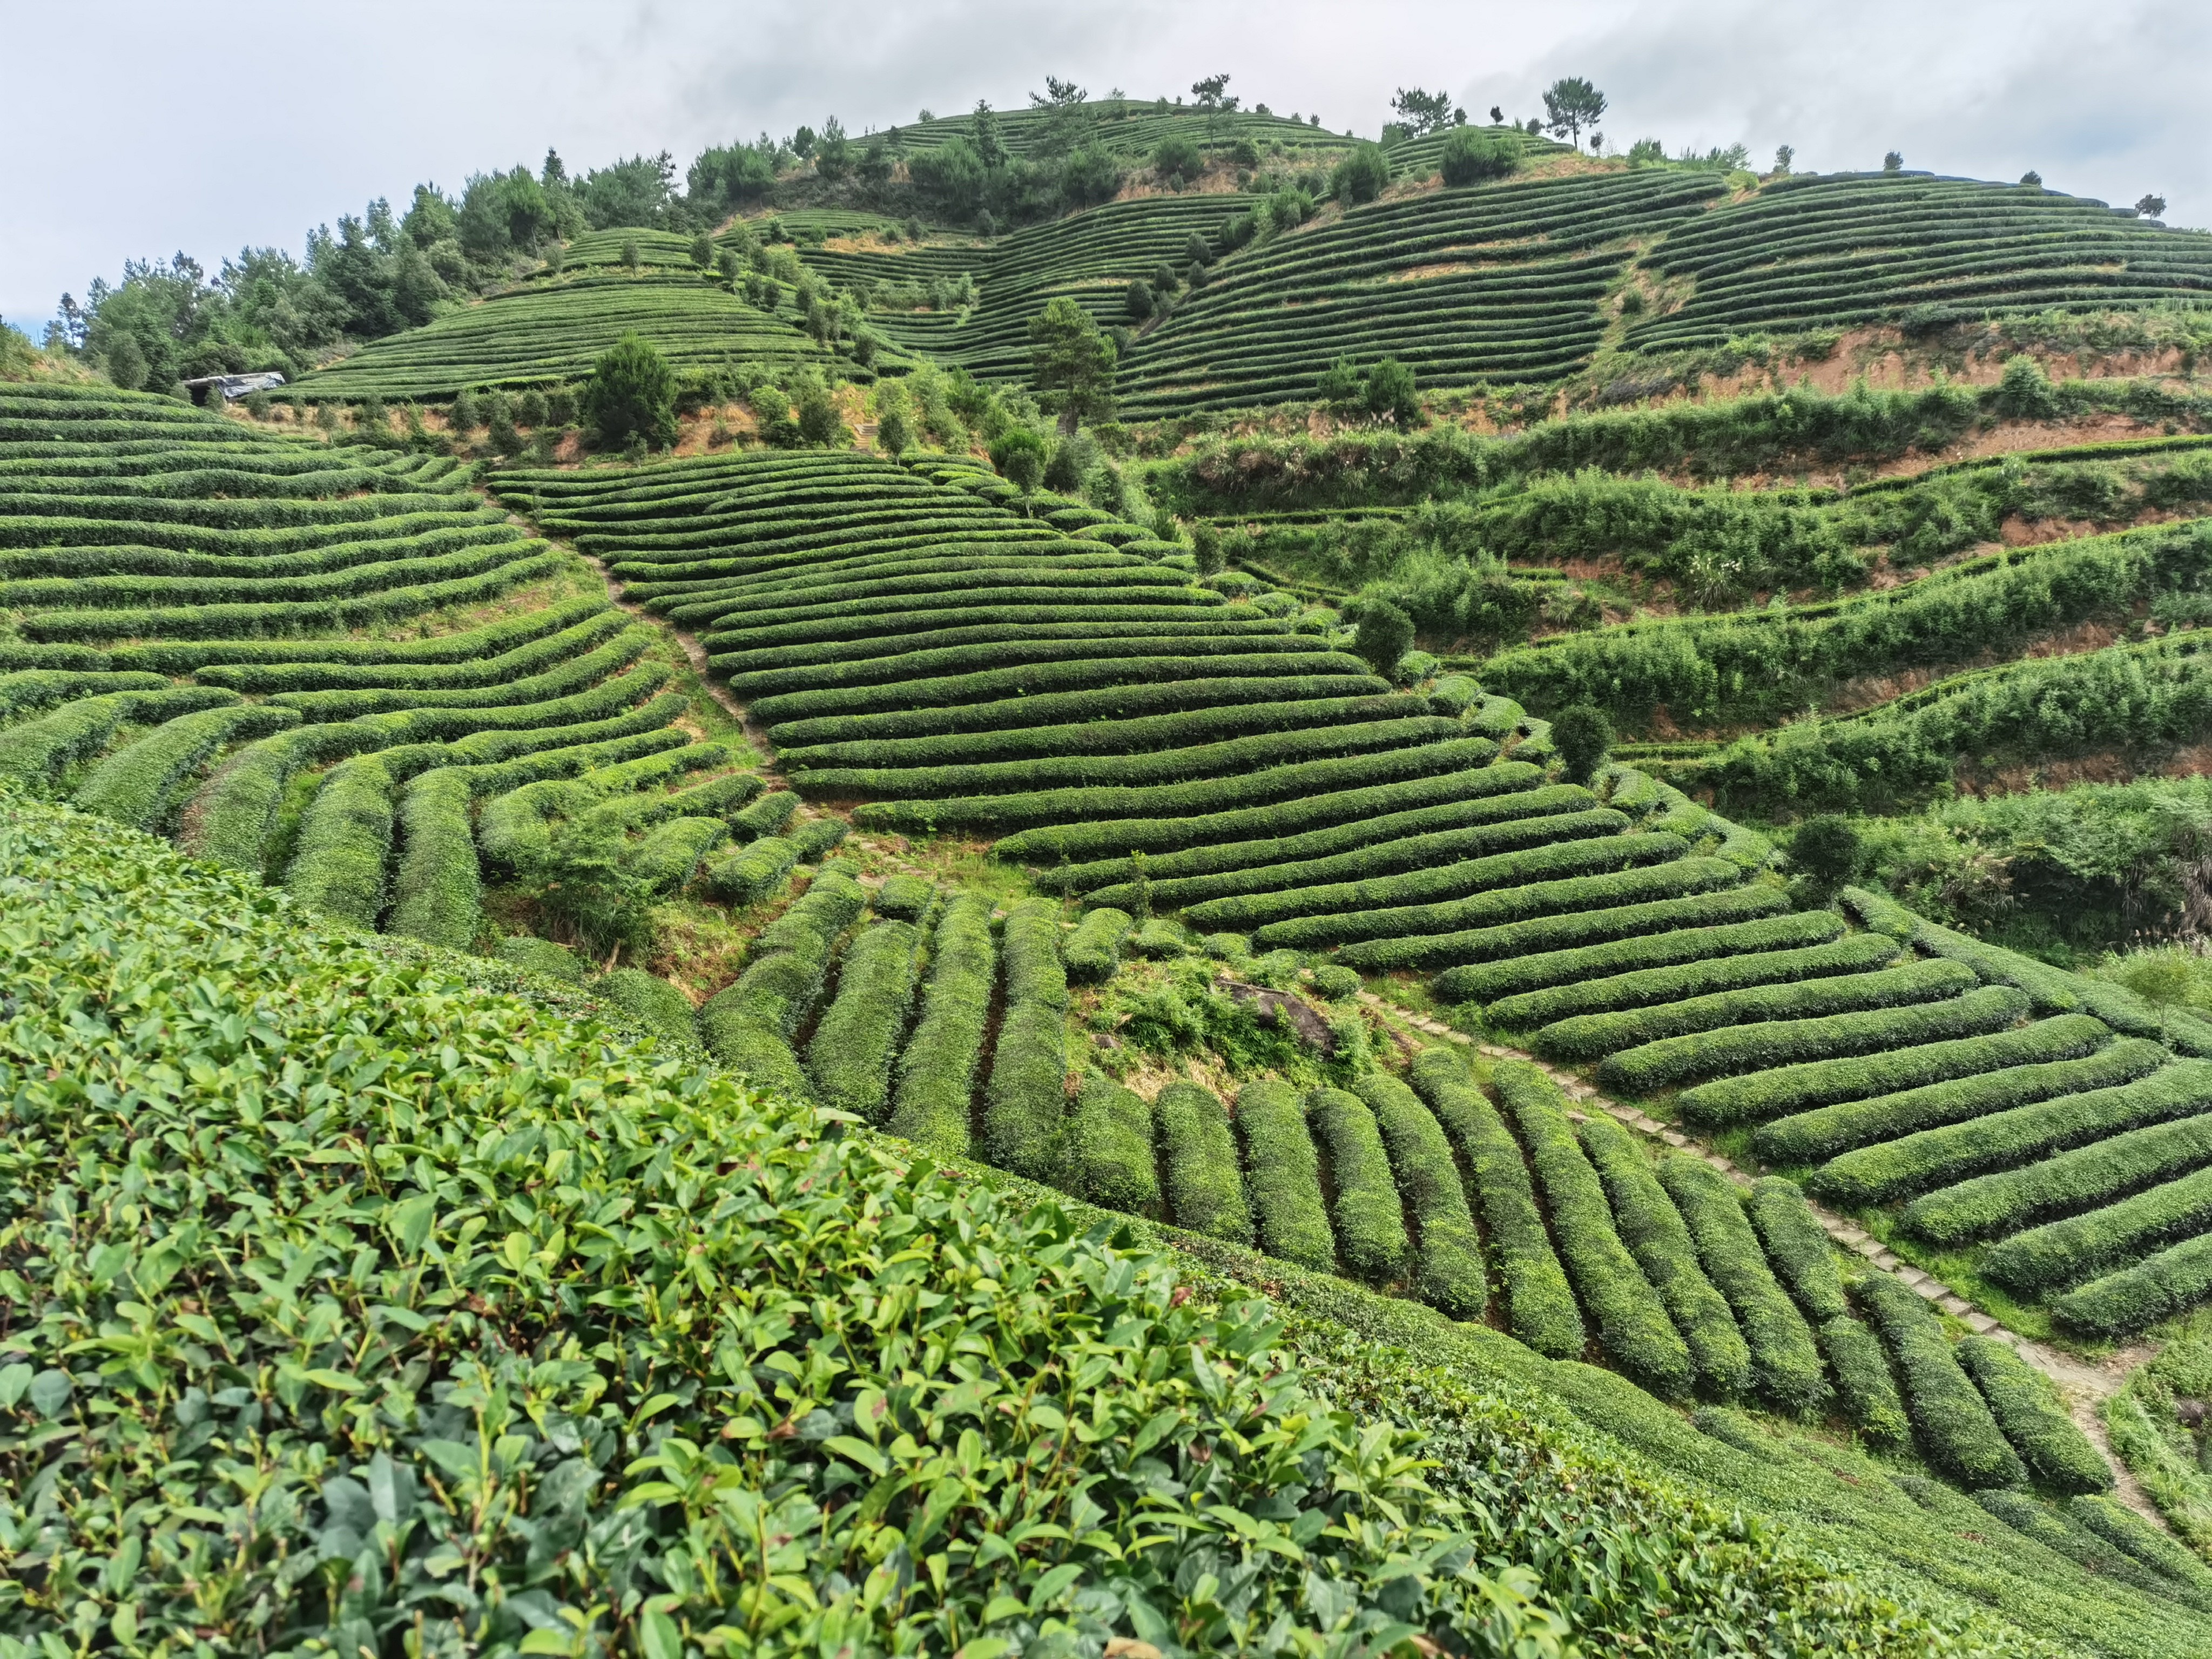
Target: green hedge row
pixel 748 1025
pixel 1797 1246
pixel 1785 1364
pixel 2060 1253
pixel 1539 1304
pixel 515 826
pixel 1110 1160
pixel 2064 1534
pixel 164 594
pixel 937 1072
pixel 1093 951
pixel 1232 760
pixel 138 784
pixel 671 854
pixel 513 647
pixel 1109 702
pixel 1034 634
pixel 1632 1324
pixel 2160 1285
pixel 39 751
pixel 765 816
pixel 905 898
pixel 1588 1037
pixel 2028 1410
pixel 1076 751
pixel 1652 1229
pixel 1568 929
pixel 1864 1384
pixel 31 689
pixel 817 836
pixel 1282 1175
pixel 1768 1044
pixel 577 672
pixel 2070 1181
pixel 1797 1088
pixel 1389 865
pixel 1434 928
pixel 1464 776
pixel 531 561
pixel 1197 1152
pixel 651 1003
pixel 345 839
pixel 1688 948
pixel 1952 1421
pixel 1087 663
pixel 1602 994
pixel 753 872
pixel 1026 1100
pixel 1267 856
pixel 437 889
pixel 1936 1157
pixel 1447 1252
pixel 1430 883
pixel 719 798
pixel 1416 757
pixel 1828 1132
pixel 856 1040
pixel 1371 1220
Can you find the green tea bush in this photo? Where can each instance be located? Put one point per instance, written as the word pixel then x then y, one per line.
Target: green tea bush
pixel 2059 1253
pixel 1198 1155
pixel 849 1056
pixel 1687 948
pixel 1093 951
pixel 1371 1221
pixel 1447 1252
pixel 1955 1426
pixel 542 955
pixel 1863 1384
pixel 671 854
pixel 1826 1132
pixel 1612 994
pixel 1652 1229
pixel 1282 1175
pixel 338 863
pixel 1785 1365
pixel 651 1003
pixel 1796 1088
pixel 1539 1304
pixel 1770 1043
pixel 1632 1323
pixel 937 1071
pixel 1797 1246
pixel 1568 928
pixel 765 816
pixel 2076 1180
pixel 1109 1148
pixel 1587 1037
pixel 752 873
pixel 2028 1410
pixel 437 886
pixel 904 898
pixel 1934 1157
pixel 1026 1100
pixel 748 1026
pixel 138 784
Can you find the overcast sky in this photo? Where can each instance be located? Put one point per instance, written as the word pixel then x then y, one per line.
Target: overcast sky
pixel 148 126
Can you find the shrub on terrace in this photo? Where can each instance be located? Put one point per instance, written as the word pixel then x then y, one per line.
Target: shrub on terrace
pixel 1582 735
pixel 1361 176
pixel 631 395
pixel 1384 636
pixel 1469 157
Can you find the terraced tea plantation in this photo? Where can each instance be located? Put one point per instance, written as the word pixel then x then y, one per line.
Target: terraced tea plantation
pixel 1091 257
pixel 313 663
pixel 1847 249
pixel 555 329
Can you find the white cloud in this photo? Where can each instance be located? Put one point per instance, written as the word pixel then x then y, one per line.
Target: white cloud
pixel 213 126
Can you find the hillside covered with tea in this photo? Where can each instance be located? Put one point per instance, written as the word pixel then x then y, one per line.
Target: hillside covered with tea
pixel 1121 877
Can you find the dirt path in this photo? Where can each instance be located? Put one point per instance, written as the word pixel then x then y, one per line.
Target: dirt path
pixel 2082 1385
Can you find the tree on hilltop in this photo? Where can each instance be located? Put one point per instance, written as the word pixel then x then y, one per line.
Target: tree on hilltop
pixel 2153 206
pixel 1570 104
pixel 1210 95
pixel 1420 112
